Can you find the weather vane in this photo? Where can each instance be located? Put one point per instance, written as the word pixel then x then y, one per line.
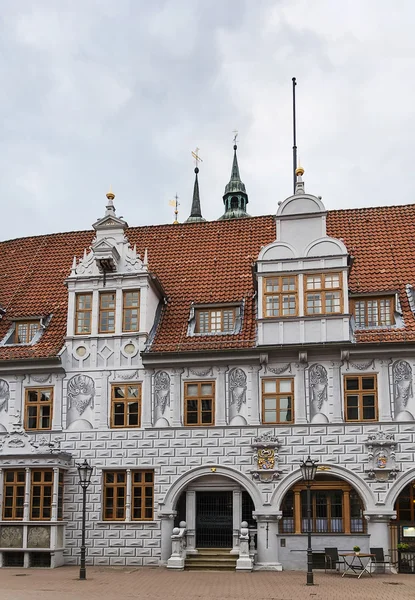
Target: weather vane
pixel 235 137
pixel 176 205
pixel 196 156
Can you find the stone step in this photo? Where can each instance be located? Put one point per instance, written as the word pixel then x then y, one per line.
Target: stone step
pixel 211 559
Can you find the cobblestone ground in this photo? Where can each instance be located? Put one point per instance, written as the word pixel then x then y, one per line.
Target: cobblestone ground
pixel 161 584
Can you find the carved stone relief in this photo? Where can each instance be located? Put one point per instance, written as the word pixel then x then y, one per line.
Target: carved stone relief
pixel 237 396
pixel 265 449
pixel 402 390
pixel 80 395
pixel 161 398
pixel 4 395
pixel 318 382
pixel 38 537
pixel 381 448
pixel 11 536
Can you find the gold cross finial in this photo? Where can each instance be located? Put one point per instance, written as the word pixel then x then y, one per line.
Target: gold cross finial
pixel 176 205
pixel 235 137
pixel 196 156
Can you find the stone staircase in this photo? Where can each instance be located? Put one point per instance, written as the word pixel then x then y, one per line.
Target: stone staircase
pixel 211 559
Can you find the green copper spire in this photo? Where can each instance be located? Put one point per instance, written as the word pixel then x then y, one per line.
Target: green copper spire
pixel 235 198
pixel 196 212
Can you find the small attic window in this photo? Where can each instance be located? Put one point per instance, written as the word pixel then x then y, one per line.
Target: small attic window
pixel 215 320
pixel 374 312
pixel 25 332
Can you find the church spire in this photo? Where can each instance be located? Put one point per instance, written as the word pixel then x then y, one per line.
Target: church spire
pixel 196 212
pixel 235 198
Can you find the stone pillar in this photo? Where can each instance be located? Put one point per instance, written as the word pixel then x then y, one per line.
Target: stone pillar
pixel 267 543
pixel 146 400
pixel 167 523
pixel 378 529
pixel 1 490
pixel 26 505
pixel 177 400
pixel 254 412
pixel 336 392
pixel 128 497
pixel 55 493
pixel 105 401
pixel 221 400
pixel 384 392
pixel 57 403
pixel 237 517
pixel 191 521
pixel 300 414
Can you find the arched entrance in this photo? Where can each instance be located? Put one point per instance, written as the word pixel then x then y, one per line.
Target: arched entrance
pixel 403 529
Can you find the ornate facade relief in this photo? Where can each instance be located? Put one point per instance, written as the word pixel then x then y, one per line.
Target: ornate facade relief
pixel 237 396
pixel 4 395
pixel 318 382
pixel 402 390
pixel 161 398
pixel 381 449
pixel 265 449
pixel 80 395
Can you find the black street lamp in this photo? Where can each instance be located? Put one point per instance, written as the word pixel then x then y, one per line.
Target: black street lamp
pixel 308 471
pixel 84 472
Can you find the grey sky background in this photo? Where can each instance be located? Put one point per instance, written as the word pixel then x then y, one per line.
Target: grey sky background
pixel 119 92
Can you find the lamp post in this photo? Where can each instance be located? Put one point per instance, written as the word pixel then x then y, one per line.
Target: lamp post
pixel 308 471
pixel 84 472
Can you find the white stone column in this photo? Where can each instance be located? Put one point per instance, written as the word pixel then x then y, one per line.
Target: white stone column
pixel 177 400
pixel 57 403
pixel 254 410
pixel 378 529
pixel 237 519
pixel 55 492
pixel 105 400
pixel 26 505
pixel 220 403
pixel 300 415
pixel 267 543
pixel 128 497
pixel 384 392
pixel 191 521
pixel 1 490
pixel 146 400
pixel 167 523
pixel 337 397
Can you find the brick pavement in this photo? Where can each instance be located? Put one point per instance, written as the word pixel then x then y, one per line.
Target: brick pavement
pixel 161 584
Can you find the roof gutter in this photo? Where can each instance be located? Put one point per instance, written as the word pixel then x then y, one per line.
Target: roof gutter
pixel 23 366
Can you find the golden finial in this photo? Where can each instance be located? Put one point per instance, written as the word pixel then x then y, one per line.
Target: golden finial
pixel 299 170
pixel 110 195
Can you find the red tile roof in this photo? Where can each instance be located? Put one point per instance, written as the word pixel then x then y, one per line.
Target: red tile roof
pixel 203 263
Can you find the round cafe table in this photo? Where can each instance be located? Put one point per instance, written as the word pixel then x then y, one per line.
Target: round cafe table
pixel 357 563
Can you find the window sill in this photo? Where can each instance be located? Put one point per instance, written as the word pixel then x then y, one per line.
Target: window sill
pixel 125 522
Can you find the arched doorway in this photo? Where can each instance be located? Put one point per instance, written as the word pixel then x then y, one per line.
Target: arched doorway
pixel 403 529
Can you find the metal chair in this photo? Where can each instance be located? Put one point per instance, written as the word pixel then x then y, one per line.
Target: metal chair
pixel 380 558
pixel 332 559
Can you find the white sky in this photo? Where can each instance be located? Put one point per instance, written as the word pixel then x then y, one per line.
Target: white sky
pixel 119 92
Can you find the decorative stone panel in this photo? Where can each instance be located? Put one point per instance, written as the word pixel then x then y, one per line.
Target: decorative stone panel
pixel 381 448
pixel 266 456
pixel 11 536
pixel 38 537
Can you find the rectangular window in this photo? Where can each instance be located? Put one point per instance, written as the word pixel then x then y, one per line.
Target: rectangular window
pixel 41 495
pixel 106 312
pixel 131 311
pixel 199 401
pixel 115 495
pixel 13 494
pixel 83 314
pixel 277 401
pixel 373 312
pixel 25 331
pixel 215 320
pixel 360 398
pixel 280 296
pixel 38 409
pixel 323 294
pixel 126 405
pixel 142 495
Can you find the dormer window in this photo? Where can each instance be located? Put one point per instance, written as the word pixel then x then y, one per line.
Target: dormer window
pixel 373 312
pixel 323 294
pixel 26 331
pixel 280 296
pixel 215 320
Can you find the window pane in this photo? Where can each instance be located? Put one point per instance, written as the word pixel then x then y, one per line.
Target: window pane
pixel 285 385
pixel 289 305
pixel 206 417
pixel 368 413
pixel 352 400
pixel 270 404
pixel 332 302
pixel 133 391
pixel 32 396
pixel 192 389
pixel 272 285
pixel 191 418
pixel 313 282
pixel 332 281
pixel 352 383
pixel 288 284
pixel 118 391
pixel 285 402
pixel 270 416
pixel 206 404
pixel 313 304
pixel 192 405
pixel 352 414
pixel 368 383
pixel 273 306
pixel 270 386
pixel 206 389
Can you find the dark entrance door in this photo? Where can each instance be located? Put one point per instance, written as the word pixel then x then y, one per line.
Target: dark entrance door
pixel 214 519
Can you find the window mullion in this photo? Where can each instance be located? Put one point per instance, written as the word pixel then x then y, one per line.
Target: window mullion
pixel 55 492
pixel 128 493
pixel 27 495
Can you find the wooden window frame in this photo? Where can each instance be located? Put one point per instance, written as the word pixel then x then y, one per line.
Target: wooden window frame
pixel 378 299
pixel 29 324
pixel 324 486
pixel 280 295
pixel 323 290
pixel 116 486
pixel 102 311
pixel 360 392
pixel 125 401
pixel 83 311
pixel 126 308
pixel 199 399
pixel 210 311
pixel 43 485
pixel 277 395
pixel 13 486
pixel 39 405
pixel 143 486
